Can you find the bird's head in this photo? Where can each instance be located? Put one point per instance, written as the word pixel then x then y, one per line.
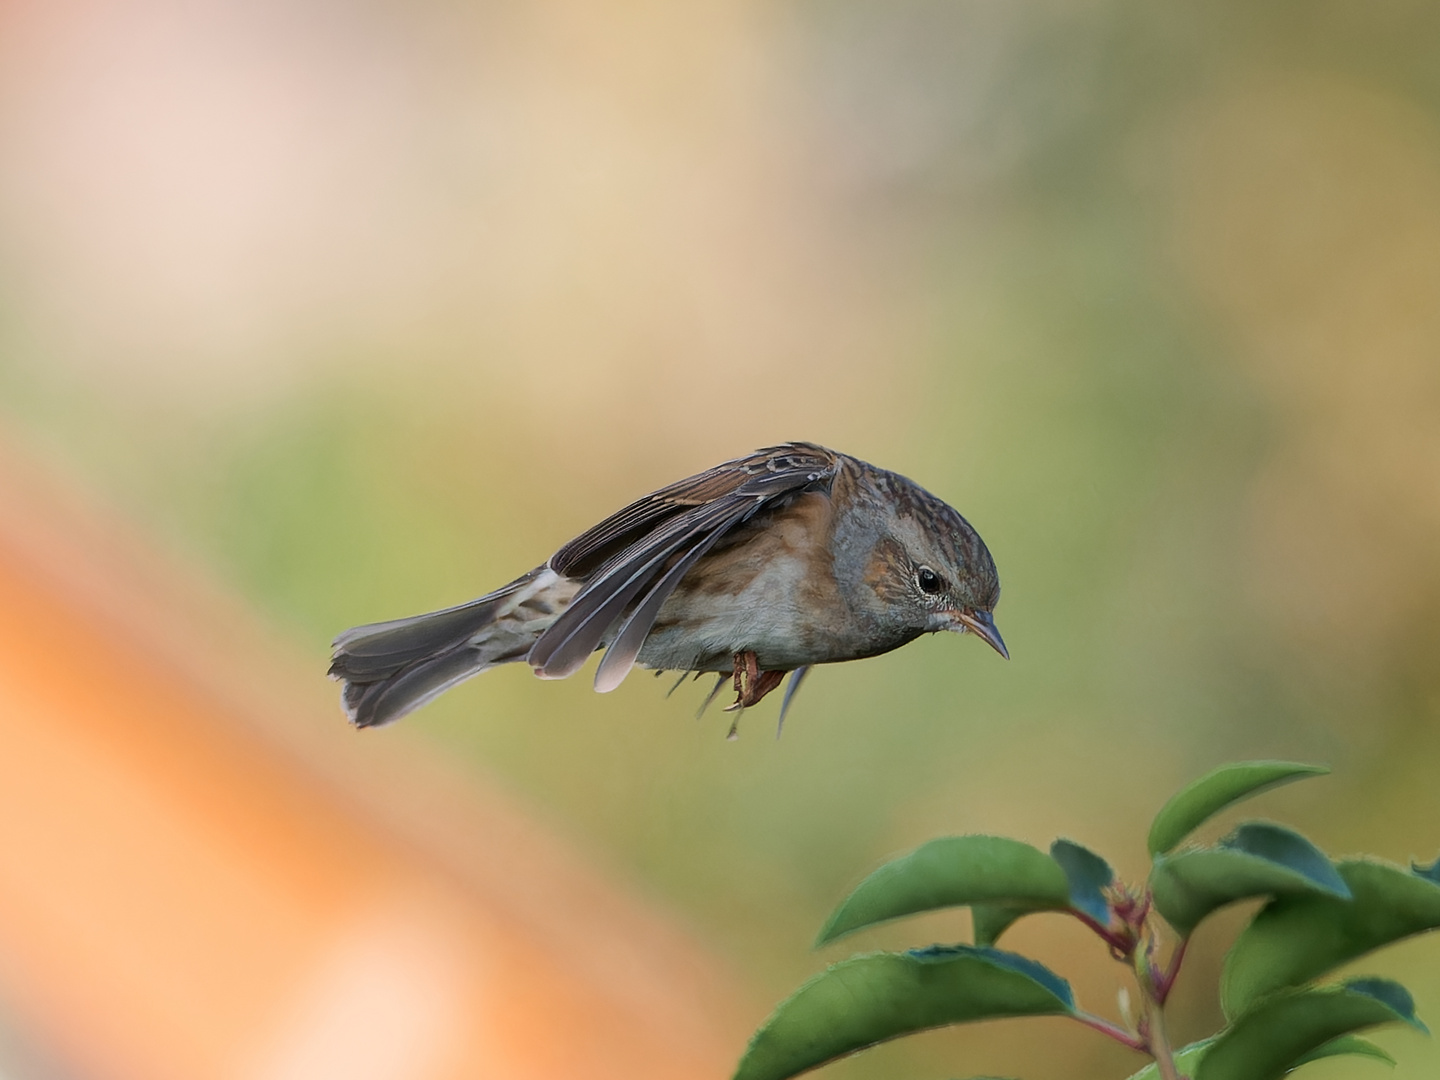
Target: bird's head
pixel 929 569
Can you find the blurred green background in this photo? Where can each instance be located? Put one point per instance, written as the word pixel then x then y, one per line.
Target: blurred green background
pixel 368 308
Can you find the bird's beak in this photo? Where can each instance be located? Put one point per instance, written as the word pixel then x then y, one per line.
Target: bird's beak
pixel 981 623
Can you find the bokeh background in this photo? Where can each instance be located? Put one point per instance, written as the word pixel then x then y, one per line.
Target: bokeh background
pixel 361 310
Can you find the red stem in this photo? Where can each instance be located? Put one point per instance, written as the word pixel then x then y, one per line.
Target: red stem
pixel 1114 1031
pixel 1166 981
pixel 1120 944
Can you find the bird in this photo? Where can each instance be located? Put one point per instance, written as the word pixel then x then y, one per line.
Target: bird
pixel 764 565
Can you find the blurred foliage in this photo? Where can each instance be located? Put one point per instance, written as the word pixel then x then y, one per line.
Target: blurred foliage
pixel 1147 293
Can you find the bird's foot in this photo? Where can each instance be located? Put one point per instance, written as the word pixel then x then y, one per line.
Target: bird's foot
pixel 752 684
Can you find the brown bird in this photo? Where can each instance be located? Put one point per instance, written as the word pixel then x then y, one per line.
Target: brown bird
pixel 768 564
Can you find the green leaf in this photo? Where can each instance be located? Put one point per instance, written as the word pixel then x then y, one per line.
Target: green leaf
pixel 950 872
pixel 1390 993
pixel 1295 939
pixel 868 999
pixel 1194 804
pixel 992 920
pixel 1280 1031
pixel 1351 1045
pixel 1031 969
pixel 1257 859
pixel 1088 876
pixel 1429 873
pixel 1186 1059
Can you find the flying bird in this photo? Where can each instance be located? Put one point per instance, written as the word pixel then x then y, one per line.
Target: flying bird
pixel 765 565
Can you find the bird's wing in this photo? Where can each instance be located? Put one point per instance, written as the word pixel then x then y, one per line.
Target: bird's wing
pixel 635 558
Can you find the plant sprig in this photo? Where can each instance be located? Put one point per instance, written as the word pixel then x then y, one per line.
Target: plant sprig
pixel 1318 915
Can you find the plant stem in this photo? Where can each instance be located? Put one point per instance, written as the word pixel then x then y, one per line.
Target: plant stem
pixel 1114 1031
pixel 1166 981
pixel 1154 986
pixel 1135 944
pixel 1121 945
pixel 1157 1041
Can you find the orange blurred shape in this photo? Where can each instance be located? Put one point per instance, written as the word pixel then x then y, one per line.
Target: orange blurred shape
pixel 204 873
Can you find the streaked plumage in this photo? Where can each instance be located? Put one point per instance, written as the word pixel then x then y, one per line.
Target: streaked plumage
pixel 767 564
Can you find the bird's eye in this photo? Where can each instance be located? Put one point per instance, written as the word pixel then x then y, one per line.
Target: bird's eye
pixel 928 580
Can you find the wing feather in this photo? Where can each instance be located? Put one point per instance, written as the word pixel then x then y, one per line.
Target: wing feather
pixel 628 551
pixel 563 648
pixel 621 653
pixel 796 678
pixel 599 544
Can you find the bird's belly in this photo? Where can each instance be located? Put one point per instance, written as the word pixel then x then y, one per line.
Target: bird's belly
pixel 777 615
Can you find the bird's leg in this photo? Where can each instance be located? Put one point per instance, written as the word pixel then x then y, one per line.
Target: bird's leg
pixel 752 684
pixel 747 670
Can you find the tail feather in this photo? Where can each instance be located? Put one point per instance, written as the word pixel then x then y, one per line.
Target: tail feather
pixel 387 700
pixel 380 649
pixel 391 668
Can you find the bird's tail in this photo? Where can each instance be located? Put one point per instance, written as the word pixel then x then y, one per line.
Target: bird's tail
pixel 389 669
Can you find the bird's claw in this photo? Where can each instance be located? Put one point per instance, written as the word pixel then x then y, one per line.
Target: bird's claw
pixel 751 684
